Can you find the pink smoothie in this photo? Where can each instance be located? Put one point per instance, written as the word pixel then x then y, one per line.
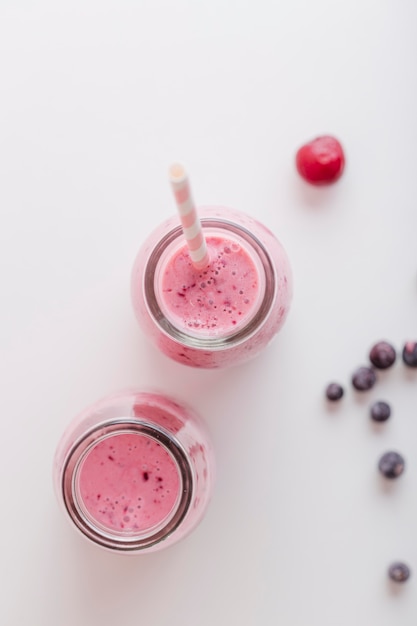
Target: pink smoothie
pixel 224 316
pixel 217 300
pixel 129 483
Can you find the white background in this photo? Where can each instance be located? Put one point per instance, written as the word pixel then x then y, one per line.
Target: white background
pixel 97 98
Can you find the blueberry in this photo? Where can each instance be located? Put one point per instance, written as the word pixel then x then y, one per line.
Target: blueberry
pixel 391 465
pixel 382 355
pixel 410 353
pixel 399 572
pixel 334 391
pixel 363 378
pixel 380 411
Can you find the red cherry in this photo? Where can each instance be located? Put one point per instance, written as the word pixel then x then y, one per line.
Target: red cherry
pixel 321 161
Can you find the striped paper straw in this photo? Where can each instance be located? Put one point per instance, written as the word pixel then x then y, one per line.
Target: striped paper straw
pixel 190 221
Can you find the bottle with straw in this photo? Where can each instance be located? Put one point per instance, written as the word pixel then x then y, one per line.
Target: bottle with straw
pixel 213 291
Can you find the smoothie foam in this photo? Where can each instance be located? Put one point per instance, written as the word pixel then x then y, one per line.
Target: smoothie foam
pixel 129 483
pixel 134 471
pixel 219 299
pixel 185 315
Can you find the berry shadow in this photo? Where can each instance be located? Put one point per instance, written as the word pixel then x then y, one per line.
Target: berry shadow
pixel 332 409
pixel 410 374
pixel 361 397
pixel 395 589
pixel 319 197
pixel 332 406
pixel 382 375
pixel 388 485
pixel 377 427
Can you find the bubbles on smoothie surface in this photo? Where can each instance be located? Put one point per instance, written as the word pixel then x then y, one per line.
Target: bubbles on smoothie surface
pixel 216 298
pixel 129 482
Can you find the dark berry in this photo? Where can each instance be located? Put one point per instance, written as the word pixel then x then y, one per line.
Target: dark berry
pixel 363 378
pixel 399 572
pixel 321 161
pixel 391 465
pixel 334 391
pixel 410 354
pixel 382 355
pixel 380 411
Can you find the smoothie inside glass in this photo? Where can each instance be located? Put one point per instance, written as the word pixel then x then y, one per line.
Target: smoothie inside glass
pixel 128 483
pixel 222 314
pixel 216 301
pixel 134 471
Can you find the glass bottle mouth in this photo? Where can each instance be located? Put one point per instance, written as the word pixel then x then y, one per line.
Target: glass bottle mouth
pixel 99 533
pixel 265 268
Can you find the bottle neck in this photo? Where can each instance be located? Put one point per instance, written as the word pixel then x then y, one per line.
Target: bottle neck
pixel 119 540
pixel 218 339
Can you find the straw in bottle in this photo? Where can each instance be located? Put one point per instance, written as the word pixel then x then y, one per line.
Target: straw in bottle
pixel 190 221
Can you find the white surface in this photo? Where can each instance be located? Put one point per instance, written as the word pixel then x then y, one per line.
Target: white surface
pixel 96 100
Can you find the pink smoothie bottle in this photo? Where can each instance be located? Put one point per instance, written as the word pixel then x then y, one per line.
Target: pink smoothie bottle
pixel 224 313
pixel 134 472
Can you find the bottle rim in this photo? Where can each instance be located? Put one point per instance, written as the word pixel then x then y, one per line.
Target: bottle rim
pixel 103 536
pixel 212 343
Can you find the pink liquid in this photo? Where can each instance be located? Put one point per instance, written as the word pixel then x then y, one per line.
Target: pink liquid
pixel 202 327
pixel 216 300
pixel 129 482
pixel 134 471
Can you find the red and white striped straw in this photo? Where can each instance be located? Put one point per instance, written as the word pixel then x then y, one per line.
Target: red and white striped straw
pixel 190 221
